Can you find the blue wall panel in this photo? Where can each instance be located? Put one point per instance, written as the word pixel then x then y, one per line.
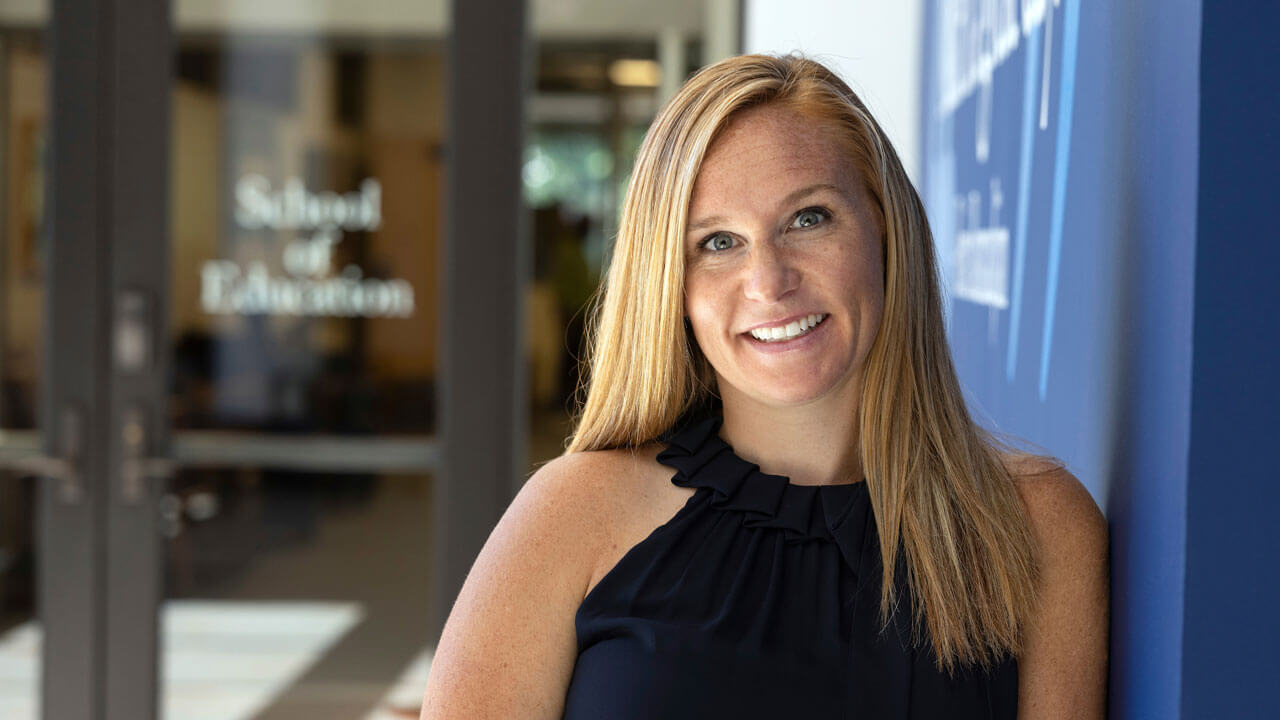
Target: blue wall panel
pixel 1232 626
pixel 1024 151
pixel 1148 498
pixel 1060 175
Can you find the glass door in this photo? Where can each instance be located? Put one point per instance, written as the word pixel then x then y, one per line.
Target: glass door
pixel 305 192
pixel 228 487
pixel 217 357
pixel 80 378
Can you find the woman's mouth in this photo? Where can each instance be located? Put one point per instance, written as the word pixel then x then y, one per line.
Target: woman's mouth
pixel 789 331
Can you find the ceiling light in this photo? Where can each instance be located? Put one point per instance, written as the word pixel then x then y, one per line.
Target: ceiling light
pixel 635 73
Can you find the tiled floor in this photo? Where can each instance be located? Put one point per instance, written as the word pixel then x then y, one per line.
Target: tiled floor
pixel 221 660
pixel 405 697
pixel 224 660
pixel 339 637
pixel 19 658
pixel 229 660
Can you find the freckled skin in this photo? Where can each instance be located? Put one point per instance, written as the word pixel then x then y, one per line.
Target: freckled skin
pixel 773 267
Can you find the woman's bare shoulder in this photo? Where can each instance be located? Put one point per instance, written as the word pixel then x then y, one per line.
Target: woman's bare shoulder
pixel 1059 505
pixel 597 481
pixel 610 490
pixel 618 496
pixel 513 619
pixel 1063 666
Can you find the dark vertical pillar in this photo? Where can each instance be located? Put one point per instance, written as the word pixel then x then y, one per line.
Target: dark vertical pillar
pixel 106 257
pixel 136 165
pixel 72 562
pixel 1231 627
pixel 484 266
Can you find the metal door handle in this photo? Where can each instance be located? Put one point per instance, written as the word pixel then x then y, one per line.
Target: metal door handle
pixel 54 468
pixel 135 467
pixel 66 467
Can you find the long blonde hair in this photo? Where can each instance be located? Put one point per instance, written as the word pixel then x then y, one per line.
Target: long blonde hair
pixel 944 500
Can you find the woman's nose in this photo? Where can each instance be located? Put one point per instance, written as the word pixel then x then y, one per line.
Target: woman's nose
pixel 770 274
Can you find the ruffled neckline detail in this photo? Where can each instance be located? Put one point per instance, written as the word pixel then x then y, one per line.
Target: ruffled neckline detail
pixel 702 459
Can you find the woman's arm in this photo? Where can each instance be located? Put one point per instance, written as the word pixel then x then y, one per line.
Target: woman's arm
pixel 509 646
pixel 1062 672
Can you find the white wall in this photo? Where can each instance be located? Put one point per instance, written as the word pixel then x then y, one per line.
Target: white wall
pixel 875 45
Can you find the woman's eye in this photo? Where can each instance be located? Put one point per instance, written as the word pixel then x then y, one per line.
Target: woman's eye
pixel 719 241
pixel 809 218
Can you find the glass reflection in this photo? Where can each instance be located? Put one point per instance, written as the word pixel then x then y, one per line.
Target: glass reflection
pixel 306 183
pixel 23 136
pixel 23 125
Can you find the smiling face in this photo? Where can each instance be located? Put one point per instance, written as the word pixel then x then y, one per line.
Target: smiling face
pixel 784 279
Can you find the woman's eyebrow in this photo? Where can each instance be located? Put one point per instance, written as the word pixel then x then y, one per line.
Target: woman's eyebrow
pixel 792 197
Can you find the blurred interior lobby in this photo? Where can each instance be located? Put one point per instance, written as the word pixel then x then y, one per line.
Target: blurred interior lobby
pixel 305 158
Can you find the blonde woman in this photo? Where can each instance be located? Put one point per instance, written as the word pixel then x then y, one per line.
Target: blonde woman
pixel 772 419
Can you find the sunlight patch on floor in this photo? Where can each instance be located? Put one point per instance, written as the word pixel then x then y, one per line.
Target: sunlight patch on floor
pixel 222 660
pixel 405 698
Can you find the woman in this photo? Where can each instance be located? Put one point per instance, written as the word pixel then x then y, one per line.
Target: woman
pixel 771 330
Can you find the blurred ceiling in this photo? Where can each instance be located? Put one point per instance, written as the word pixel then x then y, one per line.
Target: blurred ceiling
pixel 550 19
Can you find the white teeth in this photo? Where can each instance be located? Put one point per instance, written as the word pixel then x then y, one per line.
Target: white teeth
pixel 789 331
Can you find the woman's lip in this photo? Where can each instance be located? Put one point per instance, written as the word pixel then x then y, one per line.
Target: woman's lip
pixel 783 322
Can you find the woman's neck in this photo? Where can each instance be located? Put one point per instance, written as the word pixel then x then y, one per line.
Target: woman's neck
pixel 811 444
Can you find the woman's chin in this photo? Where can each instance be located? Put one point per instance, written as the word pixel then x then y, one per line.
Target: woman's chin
pixel 791 396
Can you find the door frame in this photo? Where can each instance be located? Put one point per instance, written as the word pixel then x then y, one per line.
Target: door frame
pixel 106 276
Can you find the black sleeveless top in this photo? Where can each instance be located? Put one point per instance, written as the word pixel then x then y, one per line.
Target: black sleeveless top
pixel 760 599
